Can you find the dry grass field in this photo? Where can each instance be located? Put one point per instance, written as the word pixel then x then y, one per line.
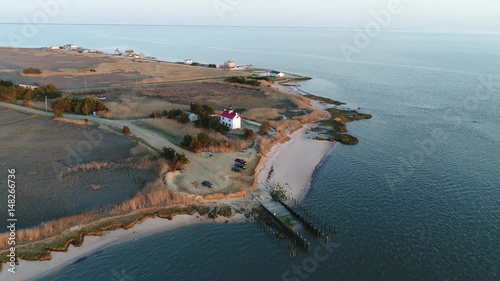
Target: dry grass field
pixel 42 150
pixel 68 70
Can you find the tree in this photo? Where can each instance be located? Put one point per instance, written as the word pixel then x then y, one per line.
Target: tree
pixel 264 129
pixel 156 114
pixel 51 91
pixel 249 134
pixel 126 130
pixel 187 142
pixel 167 153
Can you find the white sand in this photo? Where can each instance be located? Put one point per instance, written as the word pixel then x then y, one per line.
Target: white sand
pixel 28 270
pixel 294 162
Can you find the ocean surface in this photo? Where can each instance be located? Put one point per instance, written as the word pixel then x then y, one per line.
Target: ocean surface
pixel 417 199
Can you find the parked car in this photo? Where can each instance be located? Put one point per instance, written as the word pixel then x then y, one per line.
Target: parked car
pixel 241 161
pixel 239 165
pixel 207 184
pixel 237 169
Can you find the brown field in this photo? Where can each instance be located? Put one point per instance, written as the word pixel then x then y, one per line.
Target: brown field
pixel 42 149
pixel 68 70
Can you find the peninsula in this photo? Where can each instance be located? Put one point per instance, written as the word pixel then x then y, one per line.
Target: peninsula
pixel 105 141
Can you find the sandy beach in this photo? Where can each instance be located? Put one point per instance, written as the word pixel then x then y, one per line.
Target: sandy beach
pixel 294 162
pixel 30 270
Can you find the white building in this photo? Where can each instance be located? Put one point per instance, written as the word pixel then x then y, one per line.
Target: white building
pixel 230 119
pixel 55 48
pixel 189 61
pixel 229 64
pixel 277 74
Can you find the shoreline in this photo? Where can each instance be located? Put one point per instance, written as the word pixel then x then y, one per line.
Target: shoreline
pixel 304 152
pixel 31 270
pixel 282 159
pixel 293 162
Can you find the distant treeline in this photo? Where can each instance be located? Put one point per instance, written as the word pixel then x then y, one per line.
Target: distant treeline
pixel 9 92
pixel 78 106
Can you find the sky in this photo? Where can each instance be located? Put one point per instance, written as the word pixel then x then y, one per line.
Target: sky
pixel 455 15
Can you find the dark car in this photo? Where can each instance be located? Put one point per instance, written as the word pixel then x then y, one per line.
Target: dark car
pixel 241 161
pixel 207 184
pixel 237 169
pixel 239 165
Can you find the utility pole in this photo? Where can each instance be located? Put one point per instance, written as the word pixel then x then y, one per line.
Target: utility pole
pixel 85 79
pixel 46 104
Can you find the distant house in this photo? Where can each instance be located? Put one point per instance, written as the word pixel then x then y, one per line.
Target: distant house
pixel 129 53
pixel 230 119
pixel 70 47
pixel 55 48
pixel 189 61
pixel 31 87
pixel 277 74
pixel 117 52
pixel 229 64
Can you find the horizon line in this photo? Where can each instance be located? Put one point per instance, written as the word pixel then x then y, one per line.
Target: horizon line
pixel 258 26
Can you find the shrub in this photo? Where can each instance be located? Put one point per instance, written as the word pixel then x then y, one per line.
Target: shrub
pixel 176 160
pixel 31 70
pixel 126 130
pixel 249 134
pixel 50 90
pixel 264 129
pixel 156 114
pixel 242 80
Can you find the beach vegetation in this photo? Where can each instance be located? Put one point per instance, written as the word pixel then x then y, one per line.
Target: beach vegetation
pixel 32 70
pixel 279 191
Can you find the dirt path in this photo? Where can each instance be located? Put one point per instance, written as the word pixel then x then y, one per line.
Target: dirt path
pixel 150 137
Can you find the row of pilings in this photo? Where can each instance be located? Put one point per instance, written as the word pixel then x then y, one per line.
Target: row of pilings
pixel 298 238
pixel 311 220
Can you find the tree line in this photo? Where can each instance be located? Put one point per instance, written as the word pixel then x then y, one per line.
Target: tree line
pixel 9 92
pixel 78 106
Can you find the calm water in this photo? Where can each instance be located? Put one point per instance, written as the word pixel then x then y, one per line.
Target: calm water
pixel 417 199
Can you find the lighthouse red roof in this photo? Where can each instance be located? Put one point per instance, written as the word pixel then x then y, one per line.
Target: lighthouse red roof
pixel 229 114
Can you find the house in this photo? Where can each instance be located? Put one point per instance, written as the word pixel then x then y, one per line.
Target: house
pixel 230 119
pixel 129 53
pixel 55 48
pixel 189 61
pixel 70 47
pixel 192 117
pixel 229 64
pixel 31 87
pixel 277 74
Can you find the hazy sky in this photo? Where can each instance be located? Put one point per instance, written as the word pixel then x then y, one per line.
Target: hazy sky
pixel 417 14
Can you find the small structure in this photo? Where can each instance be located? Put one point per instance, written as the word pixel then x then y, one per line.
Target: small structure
pixel 54 48
pixel 70 47
pixel 230 119
pixel 189 61
pixel 117 52
pixel 230 64
pixel 277 74
pixel 192 117
pixel 31 87
pixel 129 53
